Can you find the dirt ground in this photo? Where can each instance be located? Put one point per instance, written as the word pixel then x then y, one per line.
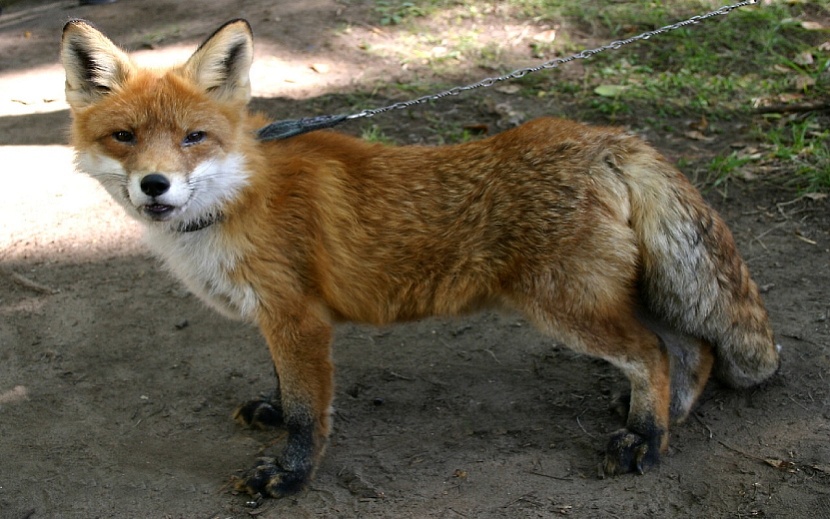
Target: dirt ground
pixel 116 385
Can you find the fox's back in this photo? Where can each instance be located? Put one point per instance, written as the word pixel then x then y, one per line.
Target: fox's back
pixel 444 230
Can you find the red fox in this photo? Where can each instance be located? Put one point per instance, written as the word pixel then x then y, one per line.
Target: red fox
pixel 587 232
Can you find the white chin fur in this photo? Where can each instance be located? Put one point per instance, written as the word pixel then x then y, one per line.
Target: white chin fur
pixel 213 184
pixel 204 191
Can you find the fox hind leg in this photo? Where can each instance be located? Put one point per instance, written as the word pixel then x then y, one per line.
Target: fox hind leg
pixel 690 369
pixel 691 361
pixel 262 413
pixel 644 359
pixel 618 337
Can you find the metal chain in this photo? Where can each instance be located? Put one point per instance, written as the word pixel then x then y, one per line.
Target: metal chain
pixel 516 74
pixel 288 128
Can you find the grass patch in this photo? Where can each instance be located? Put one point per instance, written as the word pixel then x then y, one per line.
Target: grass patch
pixel 802 145
pixel 373 133
pixel 724 68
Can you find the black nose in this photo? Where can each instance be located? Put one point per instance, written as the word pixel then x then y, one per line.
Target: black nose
pixel 155 184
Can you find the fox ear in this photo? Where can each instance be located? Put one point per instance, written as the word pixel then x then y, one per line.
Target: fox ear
pixel 94 65
pixel 221 65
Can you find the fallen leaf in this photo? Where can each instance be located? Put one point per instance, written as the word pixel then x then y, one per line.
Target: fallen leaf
pixel 700 125
pixel 439 52
pixel 785 466
pixel 508 89
pixel 804 82
pixel 14 395
pixel 804 58
pixel 812 26
pixel 609 90
pixel 745 174
pixel 545 36
pixel 698 136
pixel 321 68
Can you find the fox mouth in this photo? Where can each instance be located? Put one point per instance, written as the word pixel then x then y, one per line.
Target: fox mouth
pixel 158 211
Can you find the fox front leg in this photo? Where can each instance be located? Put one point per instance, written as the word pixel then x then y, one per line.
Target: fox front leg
pixel 300 347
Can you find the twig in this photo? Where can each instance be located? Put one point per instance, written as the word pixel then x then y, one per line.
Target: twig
pixel 793 108
pixel 799 404
pixel 524 497
pixel 25 282
pixel 701 422
pixel 397 375
pixel 742 453
pixel 549 476
pixel 491 354
pixel 583 428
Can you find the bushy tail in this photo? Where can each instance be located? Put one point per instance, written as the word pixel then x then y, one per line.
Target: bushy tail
pixel 693 276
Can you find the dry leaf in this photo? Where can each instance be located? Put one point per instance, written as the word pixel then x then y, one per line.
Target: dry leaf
pixel 320 68
pixel 698 136
pixel 785 466
pixel 700 125
pixel 815 197
pixel 439 52
pixel 508 89
pixel 812 26
pixel 545 36
pixel 609 90
pixel 745 174
pixel 804 58
pixel 804 82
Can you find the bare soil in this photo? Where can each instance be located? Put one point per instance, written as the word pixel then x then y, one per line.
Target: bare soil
pixel 116 385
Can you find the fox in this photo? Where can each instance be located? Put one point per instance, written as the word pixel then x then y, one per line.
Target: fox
pixel 587 232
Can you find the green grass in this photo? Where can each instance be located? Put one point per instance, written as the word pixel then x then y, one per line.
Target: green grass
pixel 397 12
pixel 720 69
pixel 801 145
pixel 373 133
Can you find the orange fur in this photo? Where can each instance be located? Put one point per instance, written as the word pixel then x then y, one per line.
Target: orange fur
pixel 587 231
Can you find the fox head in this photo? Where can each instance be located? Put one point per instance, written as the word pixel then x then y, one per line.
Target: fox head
pixel 166 144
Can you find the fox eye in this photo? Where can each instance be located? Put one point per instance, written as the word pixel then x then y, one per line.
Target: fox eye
pixel 194 138
pixel 124 136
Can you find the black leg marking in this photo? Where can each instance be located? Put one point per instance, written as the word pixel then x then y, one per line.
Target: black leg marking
pixel 633 449
pixel 260 414
pixel 287 474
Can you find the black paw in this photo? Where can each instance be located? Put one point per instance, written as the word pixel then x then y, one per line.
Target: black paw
pixel 269 479
pixel 630 452
pixel 260 414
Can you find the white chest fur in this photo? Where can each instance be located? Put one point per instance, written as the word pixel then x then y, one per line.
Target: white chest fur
pixel 203 261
